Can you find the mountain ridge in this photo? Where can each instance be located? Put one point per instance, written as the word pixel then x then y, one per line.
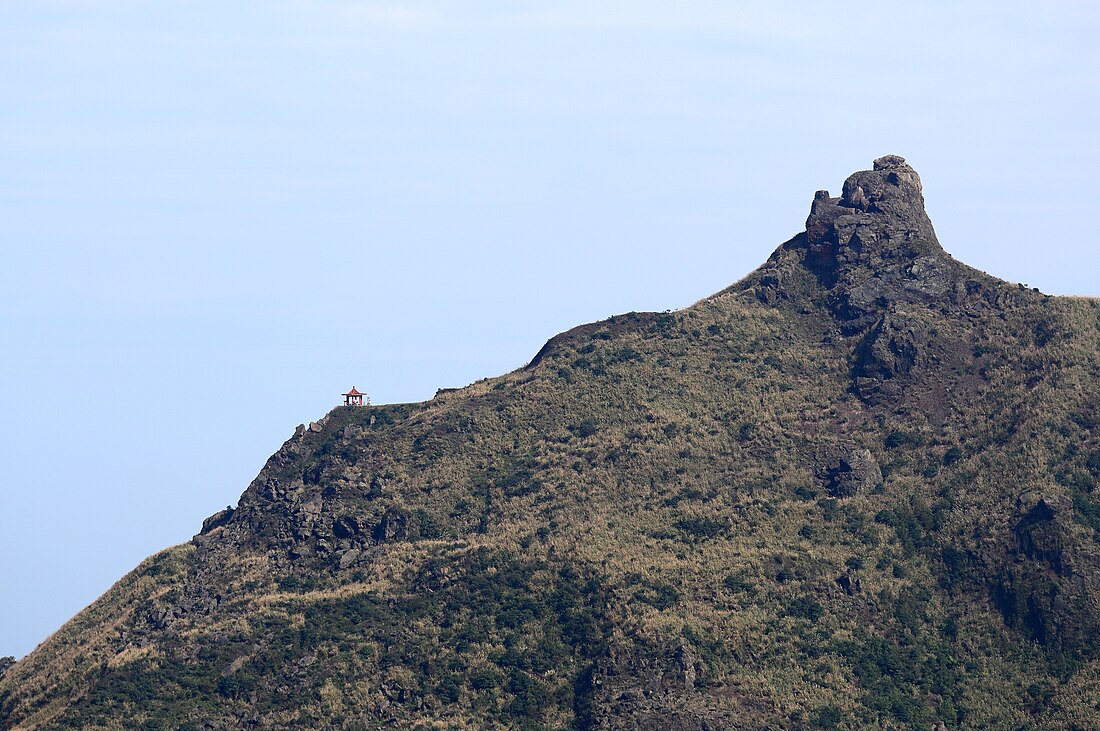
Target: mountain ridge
pixel 853 489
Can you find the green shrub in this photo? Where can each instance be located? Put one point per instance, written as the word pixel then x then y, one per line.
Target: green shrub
pixel 898 438
pixel 1092 464
pixel 827 718
pixel 805 493
pixel 485 678
pixel 585 429
pixel 739 582
pixel 658 595
pixel 805 607
pixel 700 528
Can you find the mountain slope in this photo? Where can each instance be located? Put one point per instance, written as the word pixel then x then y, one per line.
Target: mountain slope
pixel 855 489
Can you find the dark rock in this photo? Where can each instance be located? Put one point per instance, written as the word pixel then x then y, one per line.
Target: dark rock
pixel 652 689
pixel 397 524
pixel 848 472
pixel 1047 585
pixel 687 665
pixel 312 475
pixel 216 520
pixel 850 585
pixel 346 527
pixel 872 247
pixel 895 349
pixel 1041 531
pixel 5 664
pixel 270 489
pixel 349 557
pixel 394 691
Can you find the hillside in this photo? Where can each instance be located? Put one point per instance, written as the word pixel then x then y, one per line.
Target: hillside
pixel 856 489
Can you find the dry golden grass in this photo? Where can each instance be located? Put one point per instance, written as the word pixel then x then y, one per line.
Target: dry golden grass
pixel 668 451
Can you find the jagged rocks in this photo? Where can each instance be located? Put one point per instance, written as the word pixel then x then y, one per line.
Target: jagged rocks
pixel 647 691
pixel 349 557
pixel 1041 532
pixel 851 584
pixel 923 279
pixel 893 350
pixel 880 214
pixel 870 248
pixel 313 474
pixel 847 472
pixel 216 520
pixel 5 663
pixel 408 575
pixel 163 616
pixel 305 516
pixel 397 524
pixel 346 526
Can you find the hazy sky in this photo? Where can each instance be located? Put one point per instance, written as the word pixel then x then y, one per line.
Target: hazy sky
pixel 217 216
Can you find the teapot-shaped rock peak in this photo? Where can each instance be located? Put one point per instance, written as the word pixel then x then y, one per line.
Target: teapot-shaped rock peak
pixel 879 217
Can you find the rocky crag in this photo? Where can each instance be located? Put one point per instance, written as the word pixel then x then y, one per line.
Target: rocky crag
pixel 857 489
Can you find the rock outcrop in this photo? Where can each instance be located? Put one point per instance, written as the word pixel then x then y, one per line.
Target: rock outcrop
pixel 872 247
pixel 790 505
pixel 5 663
pixel 846 472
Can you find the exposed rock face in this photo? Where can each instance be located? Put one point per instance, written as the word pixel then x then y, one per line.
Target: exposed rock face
pixel 879 217
pixel 871 247
pixel 1048 584
pixel 848 472
pixel 349 557
pixel 216 520
pixel 656 691
pixel 668 520
pixel 396 525
pixel 871 258
pixel 895 348
pixel 1041 532
pixel 5 663
pixel 346 526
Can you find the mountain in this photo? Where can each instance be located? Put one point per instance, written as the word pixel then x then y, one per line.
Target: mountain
pixel 856 489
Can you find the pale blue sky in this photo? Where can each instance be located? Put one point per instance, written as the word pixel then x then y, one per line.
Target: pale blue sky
pixel 216 216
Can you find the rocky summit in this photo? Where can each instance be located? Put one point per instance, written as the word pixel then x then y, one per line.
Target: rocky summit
pixel 856 489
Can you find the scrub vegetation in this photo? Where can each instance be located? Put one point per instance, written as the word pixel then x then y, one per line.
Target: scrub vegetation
pixel 666 520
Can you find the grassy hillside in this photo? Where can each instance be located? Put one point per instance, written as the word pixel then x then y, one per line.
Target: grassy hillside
pixel 857 489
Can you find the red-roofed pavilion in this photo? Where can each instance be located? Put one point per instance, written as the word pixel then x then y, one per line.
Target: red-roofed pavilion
pixel 353 397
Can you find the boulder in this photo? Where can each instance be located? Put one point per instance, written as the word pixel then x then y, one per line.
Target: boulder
pixel 345 527
pixel 848 472
pixel 851 585
pixel 349 557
